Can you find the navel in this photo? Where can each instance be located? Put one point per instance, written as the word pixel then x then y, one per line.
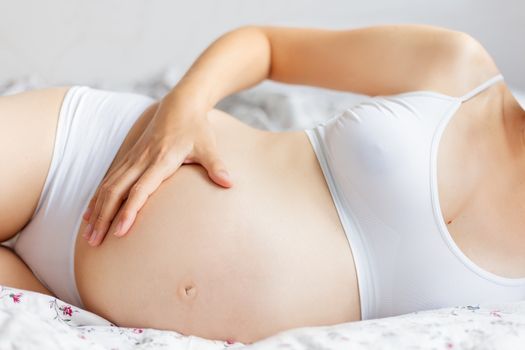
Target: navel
pixel 190 290
pixel 187 289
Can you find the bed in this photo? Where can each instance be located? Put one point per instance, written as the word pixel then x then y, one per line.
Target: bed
pixel 30 320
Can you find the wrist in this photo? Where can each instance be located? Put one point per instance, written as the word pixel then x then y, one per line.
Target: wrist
pixel 192 94
pixel 186 102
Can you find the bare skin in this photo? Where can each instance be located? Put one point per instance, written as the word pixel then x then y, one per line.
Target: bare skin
pixel 269 253
pixel 218 261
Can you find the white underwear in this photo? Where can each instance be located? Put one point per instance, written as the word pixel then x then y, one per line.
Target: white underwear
pixel 91 127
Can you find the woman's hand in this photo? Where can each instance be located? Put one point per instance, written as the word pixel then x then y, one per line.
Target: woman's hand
pixel 178 133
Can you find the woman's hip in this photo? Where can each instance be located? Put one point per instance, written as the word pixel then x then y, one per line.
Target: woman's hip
pixel 92 125
pixel 28 123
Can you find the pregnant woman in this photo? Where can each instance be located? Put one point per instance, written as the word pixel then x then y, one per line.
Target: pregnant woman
pixel 410 200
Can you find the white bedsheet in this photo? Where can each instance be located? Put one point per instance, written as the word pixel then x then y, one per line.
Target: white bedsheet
pixel 31 320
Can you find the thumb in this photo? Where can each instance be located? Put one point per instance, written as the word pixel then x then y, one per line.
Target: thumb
pixel 216 168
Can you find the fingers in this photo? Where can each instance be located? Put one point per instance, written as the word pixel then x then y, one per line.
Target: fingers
pixel 138 194
pixel 210 160
pixel 115 171
pixel 134 181
pixel 90 207
pixel 111 194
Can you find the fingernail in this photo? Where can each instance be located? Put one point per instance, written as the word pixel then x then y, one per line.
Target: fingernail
pixel 117 231
pixel 87 230
pixel 86 214
pixel 93 237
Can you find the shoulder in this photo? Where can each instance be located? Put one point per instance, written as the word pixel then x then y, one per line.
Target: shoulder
pixel 461 64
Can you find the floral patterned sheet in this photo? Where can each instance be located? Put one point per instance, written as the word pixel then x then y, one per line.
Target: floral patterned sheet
pixel 30 320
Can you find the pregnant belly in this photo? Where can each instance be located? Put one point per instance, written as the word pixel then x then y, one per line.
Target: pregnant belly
pixel 240 263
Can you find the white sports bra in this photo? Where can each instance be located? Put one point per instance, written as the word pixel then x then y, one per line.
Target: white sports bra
pixel 379 160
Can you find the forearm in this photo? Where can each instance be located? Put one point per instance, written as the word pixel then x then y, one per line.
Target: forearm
pixel 237 60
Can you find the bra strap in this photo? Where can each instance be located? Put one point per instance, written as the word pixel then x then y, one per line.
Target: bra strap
pixel 481 87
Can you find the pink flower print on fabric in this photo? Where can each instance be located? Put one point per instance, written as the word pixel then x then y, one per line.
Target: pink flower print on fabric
pixel 16 297
pixel 67 311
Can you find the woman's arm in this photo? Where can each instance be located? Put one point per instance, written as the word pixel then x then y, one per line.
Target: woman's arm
pixel 378 60
pixel 375 61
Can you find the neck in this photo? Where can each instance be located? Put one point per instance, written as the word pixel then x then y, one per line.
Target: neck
pixel 514 120
pixel 521 113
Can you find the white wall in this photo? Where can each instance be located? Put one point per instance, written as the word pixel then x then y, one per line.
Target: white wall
pixel 120 41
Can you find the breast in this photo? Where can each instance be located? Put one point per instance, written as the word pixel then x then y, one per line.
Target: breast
pixel 242 263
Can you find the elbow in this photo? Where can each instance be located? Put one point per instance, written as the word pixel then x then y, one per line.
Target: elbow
pixel 259 40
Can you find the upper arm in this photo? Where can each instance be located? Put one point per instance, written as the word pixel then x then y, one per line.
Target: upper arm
pixel 379 60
